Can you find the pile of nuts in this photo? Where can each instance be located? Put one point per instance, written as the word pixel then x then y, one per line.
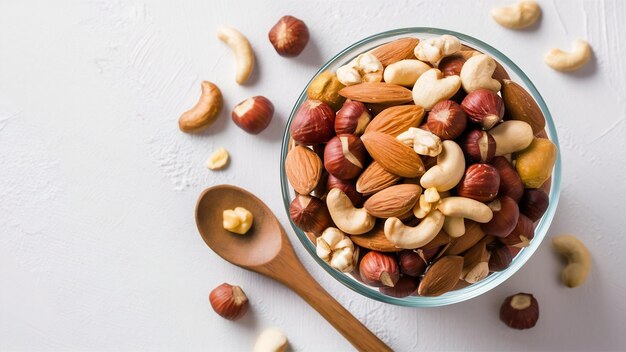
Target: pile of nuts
pixel 419 167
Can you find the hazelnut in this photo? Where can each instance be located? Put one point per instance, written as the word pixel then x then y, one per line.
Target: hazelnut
pixel 289 36
pixel 379 269
pixel 510 183
pixel 352 118
pixel 520 311
pixel 310 214
pixel 505 216
pixel 478 146
pixel 446 120
pixel 451 65
pixel 534 203
pixel 411 263
pixel 480 182
pixel 254 114
pixel 521 235
pixel 500 258
pixel 483 107
pixel 406 286
pixel 230 302
pixel 345 156
pixel 314 123
pixel 348 187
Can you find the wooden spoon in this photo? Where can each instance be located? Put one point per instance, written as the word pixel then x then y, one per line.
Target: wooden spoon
pixel 265 249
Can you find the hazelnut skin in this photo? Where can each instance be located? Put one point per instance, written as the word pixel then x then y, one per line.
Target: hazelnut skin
pixel 451 65
pixel 352 118
pixel 289 36
pixel 379 269
pixel 511 184
pixel 254 114
pixel 310 214
pixel 446 120
pixel 348 187
pixel 520 311
pixel 230 302
pixel 522 234
pixel 480 182
pixel 534 203
pixel 411 263
pixel 478 146
pixel 505 216
pixel 406 286
pixel 314 123
pixel 484 107
pixel 345 156
pixel 500 258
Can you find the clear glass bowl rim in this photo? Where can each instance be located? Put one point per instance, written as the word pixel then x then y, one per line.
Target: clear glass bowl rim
pixel 492 280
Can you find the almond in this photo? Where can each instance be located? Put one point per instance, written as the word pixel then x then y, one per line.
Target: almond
pixel 394 201
pixel 441 277
pixel 396 119
pixel 473 234
pixel 374 179
pixel 396 50
pixel 475 258
pixel 303 168
pixel 520 105
pixel 392 155
pixel 375 240
pixel 377 92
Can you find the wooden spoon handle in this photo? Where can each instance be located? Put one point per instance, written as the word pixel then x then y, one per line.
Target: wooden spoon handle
pixel 352 329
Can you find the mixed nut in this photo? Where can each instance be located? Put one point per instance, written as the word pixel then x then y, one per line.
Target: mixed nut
pixel 419 166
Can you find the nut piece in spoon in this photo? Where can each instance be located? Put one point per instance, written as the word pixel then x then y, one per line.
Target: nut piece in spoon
pixel 289 36
pixel 520 311
pixel 230 302
pixel 238 220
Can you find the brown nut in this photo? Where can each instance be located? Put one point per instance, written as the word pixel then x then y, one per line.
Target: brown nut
pixel 352 118
pixel 230 302
pixel 314 123
pixel 411 263
pixel 379 269
pixel 473 234
pixel 478 146
pixel 521 235
pixel 505 216
pixel 520 105
pixel 480 182
pixel 394 201
pixel 446 120
pixel 451 65
pixel 345 156
pixel 325 87
pixel 310 214
pixel 484 107
pixel 303 168
pixel 534 203
pixel 406 286
pixel 534 164
pixel 206 110
pixel 395 51
pixel 520 311
pixel 510 183
pixel 375 178
pixel 394 156
pixel 254 114
pixel 289 36
pixel 396 119
pixel 348 187
pixel 441 276
pixel 501 257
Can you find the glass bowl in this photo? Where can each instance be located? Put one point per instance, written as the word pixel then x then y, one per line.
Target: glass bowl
pixel 493 279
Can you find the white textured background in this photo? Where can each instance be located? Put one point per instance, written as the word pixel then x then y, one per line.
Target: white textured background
pixel 98 246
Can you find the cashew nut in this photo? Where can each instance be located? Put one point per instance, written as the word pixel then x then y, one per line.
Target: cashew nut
pixel 511 136
pixel 405 72
pixel 521 15
pixel 569 61
pixel 465 208
pixel 407 237
pixel 423 142
pixel 432 195
pixel 476 74
pixel 430 88
pixel 271 340
pixel 206 110
pixel 336 249
pixel 244 56
pixel 364 68
pixel 449 169
pixel 422 207
pixel 578 259
pixel 454 226
pixel 435 49
pixel 351 220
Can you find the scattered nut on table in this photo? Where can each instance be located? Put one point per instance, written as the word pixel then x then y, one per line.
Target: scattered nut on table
pixel 517 16
pixel 289 36
pixel 229 301
pixel 578 259
pixel 254 114
pixel 271 340
pixel 244 56
pixel 218 159
pixel 520 311
pixel 569 61
pixel 238 220
pixel 206 110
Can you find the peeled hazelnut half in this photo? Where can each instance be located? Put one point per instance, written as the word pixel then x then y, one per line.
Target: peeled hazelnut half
pixel 254 114
pixel 520 311
pixel 289 36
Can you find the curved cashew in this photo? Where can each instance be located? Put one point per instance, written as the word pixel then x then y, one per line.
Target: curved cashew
pixel 511 136
pixel 435 49
pixel 430 88
pixel 242 49
pixel 578 259
pixel 423 142
pixel 336 249
pixel 521 15
pixel 405 72
pixel 449 169
pixel 206 110
pixel 364 68
pixel 454 226
pixel 569 61
pixel 465 208
pixel 407 237
pixel 476 73
pixel 351 220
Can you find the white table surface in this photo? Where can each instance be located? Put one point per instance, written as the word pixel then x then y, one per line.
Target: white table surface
pixel 98 245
